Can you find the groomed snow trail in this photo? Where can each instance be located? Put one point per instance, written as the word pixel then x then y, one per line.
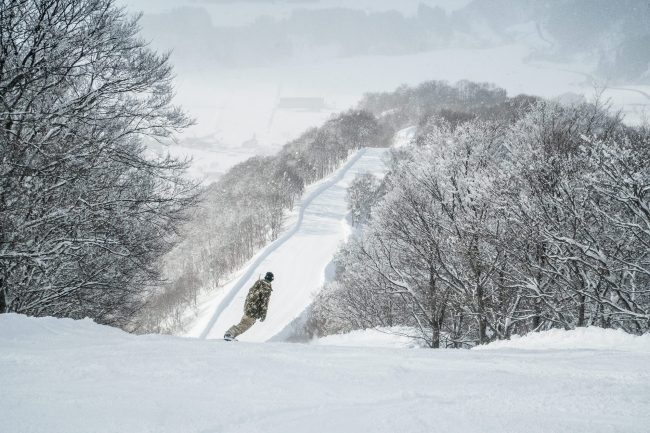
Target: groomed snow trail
pixel 65 376
pixel 299 257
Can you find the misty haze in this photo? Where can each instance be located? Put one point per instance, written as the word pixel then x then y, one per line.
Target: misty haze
pixel 324 216
pixel 238 63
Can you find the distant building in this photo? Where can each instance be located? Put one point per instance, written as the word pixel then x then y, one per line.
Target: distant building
pixel 302 104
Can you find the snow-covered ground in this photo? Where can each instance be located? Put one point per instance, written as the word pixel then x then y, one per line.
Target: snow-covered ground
pixel 64 376
pixel 299 258
pixel 591 338
pixel 405 136
pixel 396 337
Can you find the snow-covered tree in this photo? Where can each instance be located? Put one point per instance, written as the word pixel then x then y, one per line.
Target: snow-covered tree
pixel 558 213
pixel 85 211
pixel 491 228
pixel 362 194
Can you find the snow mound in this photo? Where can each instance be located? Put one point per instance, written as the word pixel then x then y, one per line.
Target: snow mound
pixel 397 337
pixel 20 327
pixel 591 338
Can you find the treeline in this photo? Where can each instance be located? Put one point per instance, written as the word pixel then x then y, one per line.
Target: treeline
pixel 85 213
pixel 304 31
pixel 614 35
pixel 494 226
pixel 464 100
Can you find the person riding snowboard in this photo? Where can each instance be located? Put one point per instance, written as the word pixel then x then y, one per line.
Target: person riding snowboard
pixel 257 303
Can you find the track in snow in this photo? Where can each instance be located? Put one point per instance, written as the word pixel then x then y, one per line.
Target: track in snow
pixel 298 258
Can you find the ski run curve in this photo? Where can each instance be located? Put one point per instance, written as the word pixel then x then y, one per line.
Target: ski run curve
pixel 299 258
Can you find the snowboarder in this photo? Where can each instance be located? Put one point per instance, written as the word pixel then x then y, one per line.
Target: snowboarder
pixel 257 303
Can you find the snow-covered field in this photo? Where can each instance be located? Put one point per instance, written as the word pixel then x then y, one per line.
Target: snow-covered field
pixel 64 376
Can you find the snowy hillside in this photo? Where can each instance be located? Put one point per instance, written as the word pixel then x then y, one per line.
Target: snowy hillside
pixel 508 67
pixel 299 258
pixel 62 376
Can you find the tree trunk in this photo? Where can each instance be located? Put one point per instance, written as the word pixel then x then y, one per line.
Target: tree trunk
pixel 581 311
pixel 482 321
pixel 435 336
pixel 433 305
pixel 3 297
pixel 482 330
pixel 537 320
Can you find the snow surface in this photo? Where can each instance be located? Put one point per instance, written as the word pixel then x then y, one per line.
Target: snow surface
pixel 405 137
pixel 65 376
pixel 300 258
pixel 591 338
pixel 396 337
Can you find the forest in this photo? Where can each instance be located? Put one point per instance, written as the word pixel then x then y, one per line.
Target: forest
pixel 497 222
pixel 86 212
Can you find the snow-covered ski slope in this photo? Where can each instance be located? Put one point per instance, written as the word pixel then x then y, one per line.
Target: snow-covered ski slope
pixel 62 376
pixel 299 258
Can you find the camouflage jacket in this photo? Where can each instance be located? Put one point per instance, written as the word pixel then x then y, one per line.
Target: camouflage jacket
pixel 257 301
